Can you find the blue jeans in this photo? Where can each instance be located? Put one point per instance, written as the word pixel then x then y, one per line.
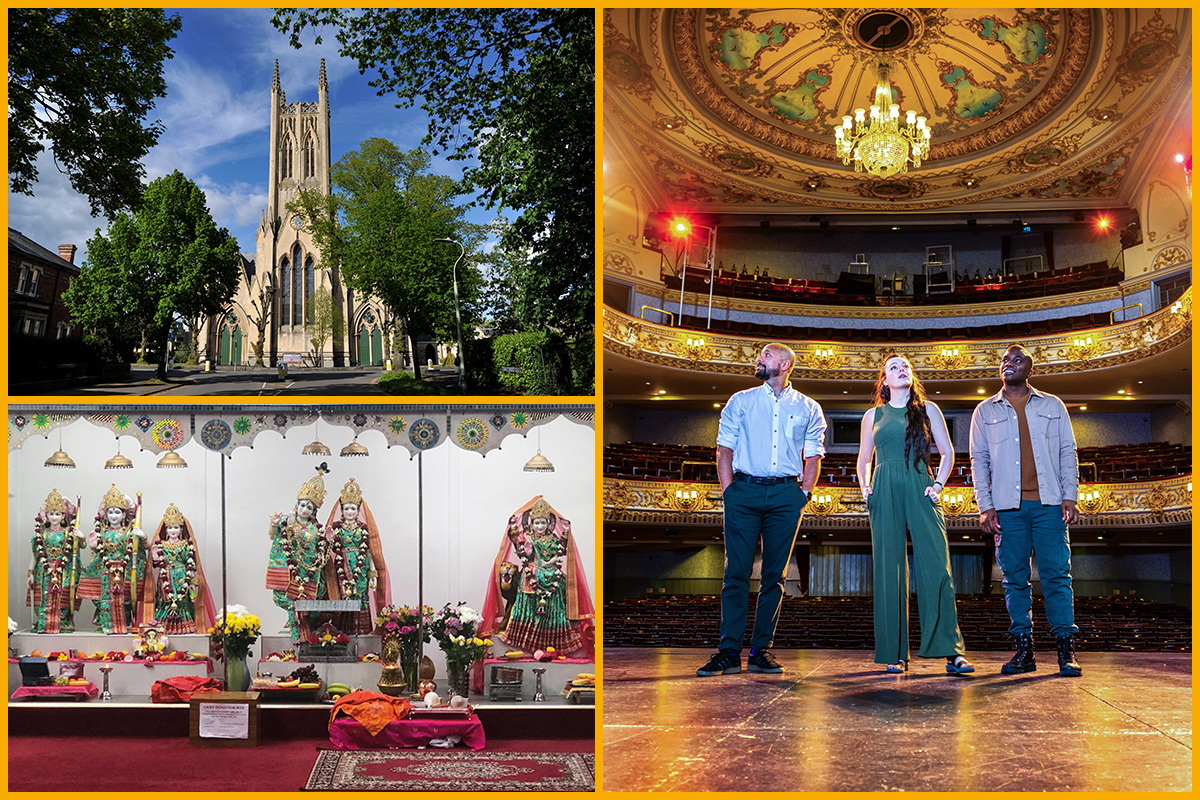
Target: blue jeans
pixel 1036 528
pixel 753 512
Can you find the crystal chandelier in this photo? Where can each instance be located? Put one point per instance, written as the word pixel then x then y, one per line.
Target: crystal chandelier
pixel 881 145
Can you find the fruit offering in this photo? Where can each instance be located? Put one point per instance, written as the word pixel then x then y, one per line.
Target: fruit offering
pixel 306 674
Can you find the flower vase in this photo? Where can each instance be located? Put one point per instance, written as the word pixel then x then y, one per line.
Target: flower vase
pixel 410 657
pixel 392 676
pixel 237 674
pixel 458 676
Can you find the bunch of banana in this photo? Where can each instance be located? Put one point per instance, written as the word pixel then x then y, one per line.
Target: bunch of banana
pixel 514 654
pixel 292 684
pixel 584 679
pixel 337 690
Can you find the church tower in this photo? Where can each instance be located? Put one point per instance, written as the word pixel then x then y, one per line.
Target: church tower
pixel 287 269
pixel 299 159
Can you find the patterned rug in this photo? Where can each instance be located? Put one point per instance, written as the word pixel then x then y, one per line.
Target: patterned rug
pixel 451 771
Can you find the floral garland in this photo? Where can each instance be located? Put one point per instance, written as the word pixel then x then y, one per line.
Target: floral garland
pixel 344 576
pixel 291 545
pixel 53 562
pixel 545 588
pixel 162 564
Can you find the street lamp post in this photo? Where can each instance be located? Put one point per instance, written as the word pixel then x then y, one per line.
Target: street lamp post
pixel 462 353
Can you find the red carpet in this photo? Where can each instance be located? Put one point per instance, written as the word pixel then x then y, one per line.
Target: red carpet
pixel 451 771
pixel 125 763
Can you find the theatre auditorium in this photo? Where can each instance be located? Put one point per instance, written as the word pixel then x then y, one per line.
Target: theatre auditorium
pixel 940 184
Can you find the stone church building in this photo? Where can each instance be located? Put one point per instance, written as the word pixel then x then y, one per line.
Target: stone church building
pixel 287 271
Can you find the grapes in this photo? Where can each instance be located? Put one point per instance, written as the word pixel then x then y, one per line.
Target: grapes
pixel 306 674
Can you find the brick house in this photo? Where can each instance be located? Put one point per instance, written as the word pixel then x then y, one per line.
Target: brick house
pixel 37 279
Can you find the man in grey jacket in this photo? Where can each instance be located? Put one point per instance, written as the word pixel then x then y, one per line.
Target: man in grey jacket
pixel 1026 478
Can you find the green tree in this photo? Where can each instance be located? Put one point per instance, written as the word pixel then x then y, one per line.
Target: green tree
pixel 380 225
pixel 513 88
pixel 166 260
pixel 323 319
pixel 84 79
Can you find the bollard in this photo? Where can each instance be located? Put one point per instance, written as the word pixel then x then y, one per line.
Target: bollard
pixel 207 365
pixel 388 365
pixel 282 371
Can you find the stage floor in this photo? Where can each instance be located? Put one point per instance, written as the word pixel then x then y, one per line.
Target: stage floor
pixel 834 721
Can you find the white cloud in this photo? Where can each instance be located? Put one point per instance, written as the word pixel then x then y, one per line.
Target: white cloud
pixel 56 214
pixel 234 206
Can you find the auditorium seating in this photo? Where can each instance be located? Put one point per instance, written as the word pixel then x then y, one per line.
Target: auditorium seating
pixel 1111 464
pixel 1065 280
pixel 1105 624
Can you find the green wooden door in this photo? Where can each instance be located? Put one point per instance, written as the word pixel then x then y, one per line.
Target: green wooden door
pixel 376 348
pixel 236 349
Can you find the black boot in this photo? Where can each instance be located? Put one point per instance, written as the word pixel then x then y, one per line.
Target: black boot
pixel 1066 658
pixel 1022 660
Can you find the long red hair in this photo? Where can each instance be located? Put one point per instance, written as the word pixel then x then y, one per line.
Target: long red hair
pixel 918 436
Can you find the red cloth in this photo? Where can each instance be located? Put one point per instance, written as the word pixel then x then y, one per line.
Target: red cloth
pixel 349 734
pixel 49 691
pixel 181 688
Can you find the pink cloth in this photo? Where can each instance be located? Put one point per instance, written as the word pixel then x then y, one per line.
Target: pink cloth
pixel 49 691
pixel 207 662
pixel 347 734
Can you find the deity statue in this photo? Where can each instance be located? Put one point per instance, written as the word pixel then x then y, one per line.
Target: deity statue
pixel 182 602
pixel 553 606
pixel 355 569
pixel 115 579
pixel 57 566
pixel 299 550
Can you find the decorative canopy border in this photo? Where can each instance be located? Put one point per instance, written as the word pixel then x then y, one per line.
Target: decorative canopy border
pixel 478 428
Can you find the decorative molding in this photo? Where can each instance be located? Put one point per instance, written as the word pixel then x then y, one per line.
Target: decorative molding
pixel 1137 504
pixel 1122 343
pixel 1053 302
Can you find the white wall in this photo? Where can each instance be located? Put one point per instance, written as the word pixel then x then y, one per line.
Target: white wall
pixel 468 499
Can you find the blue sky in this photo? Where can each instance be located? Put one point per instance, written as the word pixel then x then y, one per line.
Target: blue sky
pixel 217 118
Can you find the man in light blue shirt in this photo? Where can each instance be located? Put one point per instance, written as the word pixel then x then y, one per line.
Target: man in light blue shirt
pixel 769 448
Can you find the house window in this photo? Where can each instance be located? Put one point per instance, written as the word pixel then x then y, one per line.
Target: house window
pixel 28 283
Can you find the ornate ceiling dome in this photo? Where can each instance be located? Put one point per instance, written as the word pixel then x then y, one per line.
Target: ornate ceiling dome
pixel 734 110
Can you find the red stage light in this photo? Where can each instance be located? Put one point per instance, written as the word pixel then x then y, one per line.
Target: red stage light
pixel 680 226
pixel 1103 223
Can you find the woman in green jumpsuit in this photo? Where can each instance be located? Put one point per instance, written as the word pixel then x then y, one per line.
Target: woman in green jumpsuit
pixel 897 432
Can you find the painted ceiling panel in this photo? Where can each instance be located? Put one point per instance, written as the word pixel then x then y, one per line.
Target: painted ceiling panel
pixel 735 109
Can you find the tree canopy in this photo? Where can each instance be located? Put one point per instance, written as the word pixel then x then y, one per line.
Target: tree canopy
pixel 380 225
pixel 84 79
pixel 168 259
pixel 515 89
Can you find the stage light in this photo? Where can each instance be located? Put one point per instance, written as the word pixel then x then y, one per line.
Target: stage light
pixel 680 227
pixel 1103 222
pixel 1179 158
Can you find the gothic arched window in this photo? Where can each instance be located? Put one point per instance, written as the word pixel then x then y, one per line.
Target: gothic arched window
pixel 310 152
pixel 297 289
pixel 285 293
pixel 285 157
